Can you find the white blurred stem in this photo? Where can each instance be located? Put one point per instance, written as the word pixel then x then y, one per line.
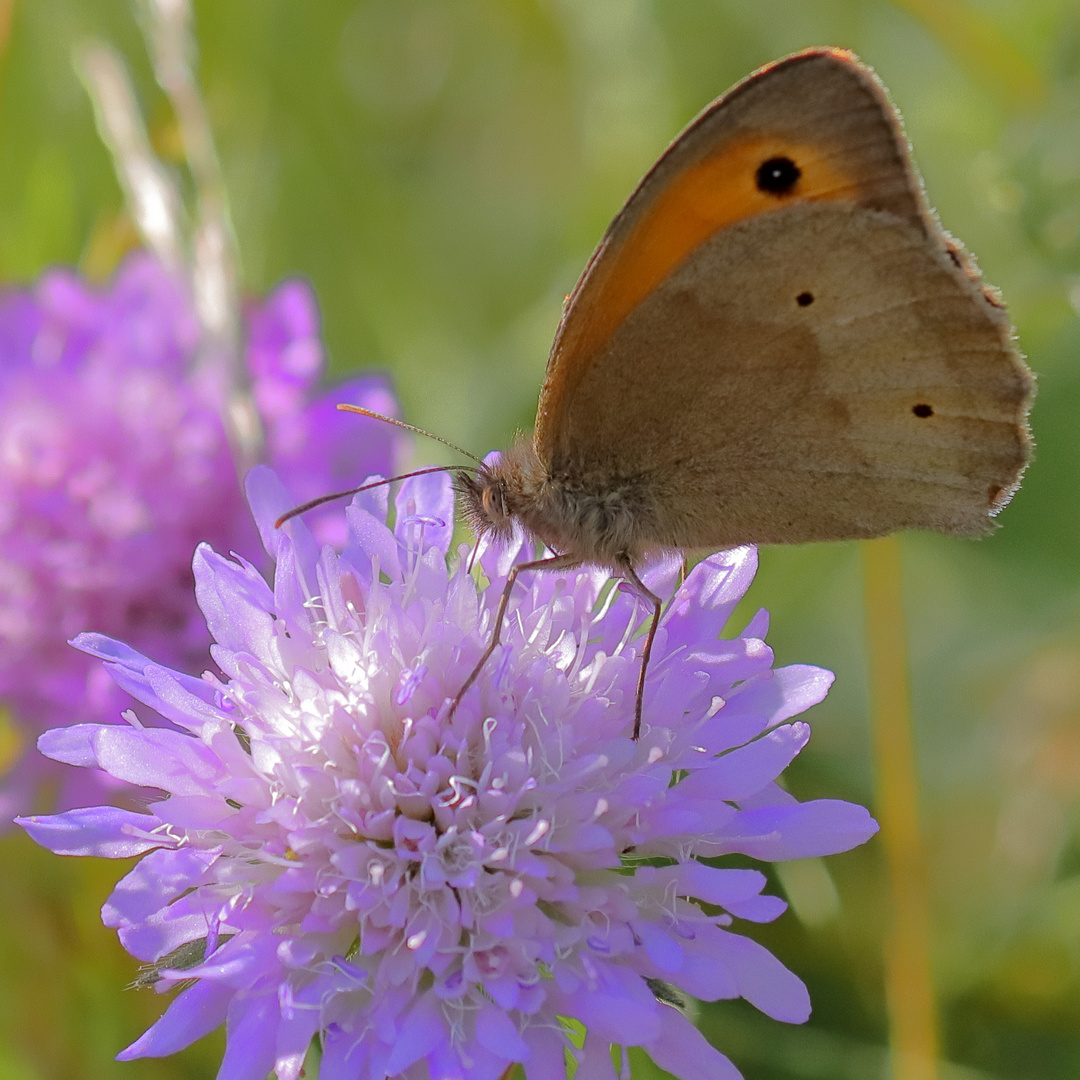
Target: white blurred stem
pixel 214 263
pixel 167 26
pixel 148 188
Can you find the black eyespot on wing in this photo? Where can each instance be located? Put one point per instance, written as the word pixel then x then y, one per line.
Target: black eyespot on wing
pixel 804 299
pixel 777 176
pixel 923 410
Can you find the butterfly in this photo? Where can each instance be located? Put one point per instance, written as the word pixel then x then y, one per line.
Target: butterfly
pixel 775 342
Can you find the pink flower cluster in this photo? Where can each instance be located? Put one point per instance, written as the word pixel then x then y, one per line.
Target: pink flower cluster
pixel 336 857
pixel 115 464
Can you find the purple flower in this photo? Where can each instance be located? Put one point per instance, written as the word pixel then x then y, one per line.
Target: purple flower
pixel 434 897
pixel 114 464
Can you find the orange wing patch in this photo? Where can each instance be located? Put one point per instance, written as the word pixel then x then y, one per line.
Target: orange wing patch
pixel 738 181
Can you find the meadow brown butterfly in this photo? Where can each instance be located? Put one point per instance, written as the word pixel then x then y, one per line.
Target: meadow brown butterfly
pixel 775 342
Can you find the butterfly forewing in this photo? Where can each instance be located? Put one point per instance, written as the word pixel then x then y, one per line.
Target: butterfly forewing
pixel 821 111
pixel 776 343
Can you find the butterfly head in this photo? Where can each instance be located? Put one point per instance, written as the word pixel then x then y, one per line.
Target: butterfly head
pixel 484 495
pixel 498 493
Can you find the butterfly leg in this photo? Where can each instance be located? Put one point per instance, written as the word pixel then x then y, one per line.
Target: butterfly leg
pixel 554 562
pixel 630 575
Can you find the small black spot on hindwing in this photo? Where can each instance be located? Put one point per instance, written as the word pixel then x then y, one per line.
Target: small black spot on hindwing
pixel 804 299
pixel 777 176
pixel 923 410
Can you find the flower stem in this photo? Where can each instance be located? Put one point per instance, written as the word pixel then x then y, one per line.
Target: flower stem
pixel 170 39
pixel 909 985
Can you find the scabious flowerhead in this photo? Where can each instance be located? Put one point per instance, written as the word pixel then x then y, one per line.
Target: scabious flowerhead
pixel 115 463
pixel 336 857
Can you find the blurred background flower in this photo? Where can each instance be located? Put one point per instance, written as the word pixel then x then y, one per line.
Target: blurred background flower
pixel 440 173
pixel 115 462
pixel 129 414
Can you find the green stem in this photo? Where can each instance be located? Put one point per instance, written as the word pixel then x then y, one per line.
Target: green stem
pixel 913 1036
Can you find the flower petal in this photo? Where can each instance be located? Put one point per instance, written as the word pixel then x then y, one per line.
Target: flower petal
pixel 236 601
pixel 684 1052
pixel 547 1053
pixel 762 979
pixel 594 1062
pixel 195 1012
pixel 799 831
pixel 102 831
pixel 422 1030
pixel 151 757
pixel 498 1033
pixel 746 770
pixel 702 607
pixel 185 700
pixel 251 1044
pixel 156 880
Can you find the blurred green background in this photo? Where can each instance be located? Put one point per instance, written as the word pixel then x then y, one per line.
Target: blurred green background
pixel 440 171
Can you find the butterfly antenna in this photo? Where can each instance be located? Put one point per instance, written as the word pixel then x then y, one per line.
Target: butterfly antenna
pixel 408 427
pixel 303 508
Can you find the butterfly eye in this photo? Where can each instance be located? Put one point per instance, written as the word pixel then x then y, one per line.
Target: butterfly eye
pixel 777 175
pixel 494 504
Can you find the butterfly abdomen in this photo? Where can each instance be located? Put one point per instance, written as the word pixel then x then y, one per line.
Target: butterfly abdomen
pixel 609 521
